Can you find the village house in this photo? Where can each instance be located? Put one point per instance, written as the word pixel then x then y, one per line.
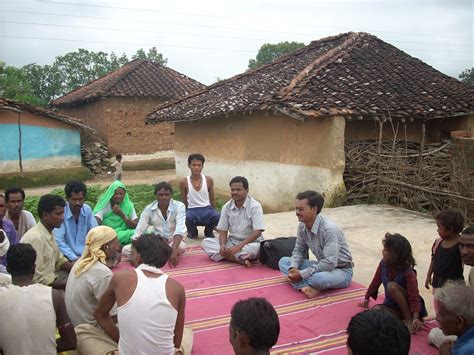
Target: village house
pixel 34 138
pixel 284 125
pixel 116 104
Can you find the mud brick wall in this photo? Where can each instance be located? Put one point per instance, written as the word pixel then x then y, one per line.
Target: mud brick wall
pixel 120 122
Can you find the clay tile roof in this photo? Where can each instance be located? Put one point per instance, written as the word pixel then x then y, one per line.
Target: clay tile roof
pixel 136 78
pixel 17 106
pixel 348 74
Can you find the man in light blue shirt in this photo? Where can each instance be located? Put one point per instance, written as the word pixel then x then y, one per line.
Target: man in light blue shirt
pixel 78 221
pixel 164 217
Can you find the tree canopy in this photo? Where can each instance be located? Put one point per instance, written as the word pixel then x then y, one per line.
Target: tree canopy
pixel 467 76
pixel 269 52
pixel 40 84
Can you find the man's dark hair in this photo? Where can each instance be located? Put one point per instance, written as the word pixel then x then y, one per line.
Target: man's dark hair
pixel 469 230
pixel 48 203
pixel 451 219
pixel 153 249
pixel 240 179
pixel 314 199
pixel 14 190
pixel 196 156
pixel 377 332
pixel 259 320
pixel 75 187
pixel 20 259
pixel 163 186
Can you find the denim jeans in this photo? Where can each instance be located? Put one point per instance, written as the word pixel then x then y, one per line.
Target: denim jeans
pixel 337 278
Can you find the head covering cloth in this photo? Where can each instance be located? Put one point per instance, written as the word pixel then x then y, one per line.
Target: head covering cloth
pixel 93 253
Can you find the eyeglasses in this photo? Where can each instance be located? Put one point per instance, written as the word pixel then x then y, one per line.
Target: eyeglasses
pixel 302 209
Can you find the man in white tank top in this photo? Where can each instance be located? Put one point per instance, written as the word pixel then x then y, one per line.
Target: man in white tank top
pixel 31 312
pixel 145 292
pixel 197 193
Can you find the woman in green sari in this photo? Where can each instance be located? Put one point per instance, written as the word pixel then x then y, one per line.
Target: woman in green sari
pixel 115 210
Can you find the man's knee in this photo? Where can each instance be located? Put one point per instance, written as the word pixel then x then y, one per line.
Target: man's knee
pixel 392 287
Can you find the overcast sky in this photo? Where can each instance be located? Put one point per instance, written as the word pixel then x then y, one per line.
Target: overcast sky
pixel 206 39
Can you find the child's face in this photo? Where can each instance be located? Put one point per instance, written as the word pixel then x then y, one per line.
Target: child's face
pixel 443 232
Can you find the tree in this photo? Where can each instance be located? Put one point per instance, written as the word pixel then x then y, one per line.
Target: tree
pixel 269 52
pixel 467 77
pixel 40 84
pixel 151 55
pixel 14 84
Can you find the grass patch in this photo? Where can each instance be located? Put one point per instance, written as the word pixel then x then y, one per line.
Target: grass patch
pixel 141 195
pixel 153 164
pixel 44 177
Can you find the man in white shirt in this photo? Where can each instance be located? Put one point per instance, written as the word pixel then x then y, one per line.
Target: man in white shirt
pixel 197 193
pixel 240 227
pixel 164 217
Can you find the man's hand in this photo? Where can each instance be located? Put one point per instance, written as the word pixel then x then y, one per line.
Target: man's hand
pixel 294 275
pixel 223 250
pixel 173 261
pixel 234 249
pixel 364 304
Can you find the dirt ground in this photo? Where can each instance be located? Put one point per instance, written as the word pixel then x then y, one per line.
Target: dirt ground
pixel 363 225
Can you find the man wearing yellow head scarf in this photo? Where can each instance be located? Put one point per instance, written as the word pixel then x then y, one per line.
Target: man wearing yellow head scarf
pixel 114 209
pixel 88 280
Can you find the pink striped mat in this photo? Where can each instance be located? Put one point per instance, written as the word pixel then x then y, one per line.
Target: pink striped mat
pixel 307 326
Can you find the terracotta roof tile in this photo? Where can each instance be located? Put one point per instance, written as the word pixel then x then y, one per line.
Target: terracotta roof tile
pixel 136 78
pixel 9 104
pixel 351 74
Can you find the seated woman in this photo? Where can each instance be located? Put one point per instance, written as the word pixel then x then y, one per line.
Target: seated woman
pixel 115 210
pixel 398 277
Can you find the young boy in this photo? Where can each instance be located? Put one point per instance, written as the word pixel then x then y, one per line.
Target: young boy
pixel 118 167
pixel 446 263
pixel 197 193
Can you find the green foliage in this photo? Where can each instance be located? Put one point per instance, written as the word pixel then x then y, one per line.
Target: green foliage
pixel 467 76
pixel 40 84
pixel 269 52
pixel 141 195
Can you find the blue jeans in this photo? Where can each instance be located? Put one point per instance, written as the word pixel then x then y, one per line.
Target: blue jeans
pixel 337 278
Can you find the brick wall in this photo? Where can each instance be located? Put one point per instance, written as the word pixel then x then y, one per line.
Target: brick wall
pixel 120 122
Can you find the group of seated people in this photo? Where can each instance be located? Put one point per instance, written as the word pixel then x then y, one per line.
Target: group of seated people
pixel 74 248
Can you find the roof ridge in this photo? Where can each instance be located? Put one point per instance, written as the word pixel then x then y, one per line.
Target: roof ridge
pixel 251 71
pixel 321 61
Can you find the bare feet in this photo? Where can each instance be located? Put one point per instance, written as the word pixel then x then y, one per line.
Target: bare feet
pixel 310 292
pixel 247 263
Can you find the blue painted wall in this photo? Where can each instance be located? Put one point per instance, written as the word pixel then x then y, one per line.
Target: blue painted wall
pixel 38 142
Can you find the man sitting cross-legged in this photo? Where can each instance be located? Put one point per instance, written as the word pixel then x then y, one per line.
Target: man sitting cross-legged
pixel 254 327
pixel 197 193
pixel 240 227
pixel 164 218
pixel 333 267
pixel 150 305
pixel 30 312
pixel 88 280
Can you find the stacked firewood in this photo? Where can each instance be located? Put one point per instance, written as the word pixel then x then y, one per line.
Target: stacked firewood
pixel 421 177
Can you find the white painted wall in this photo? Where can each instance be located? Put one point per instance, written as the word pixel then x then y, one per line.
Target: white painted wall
pixel 275 185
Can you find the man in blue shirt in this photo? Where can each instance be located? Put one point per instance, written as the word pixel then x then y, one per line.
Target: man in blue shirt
pixel 78 221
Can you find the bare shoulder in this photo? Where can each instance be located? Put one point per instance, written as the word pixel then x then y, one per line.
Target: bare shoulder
pixel 123 277
pixel 183 183
pixel 174 286
pixel 209 180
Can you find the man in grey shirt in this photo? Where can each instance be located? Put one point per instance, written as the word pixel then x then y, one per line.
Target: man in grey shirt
pixel 333 267
pixel 240 227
